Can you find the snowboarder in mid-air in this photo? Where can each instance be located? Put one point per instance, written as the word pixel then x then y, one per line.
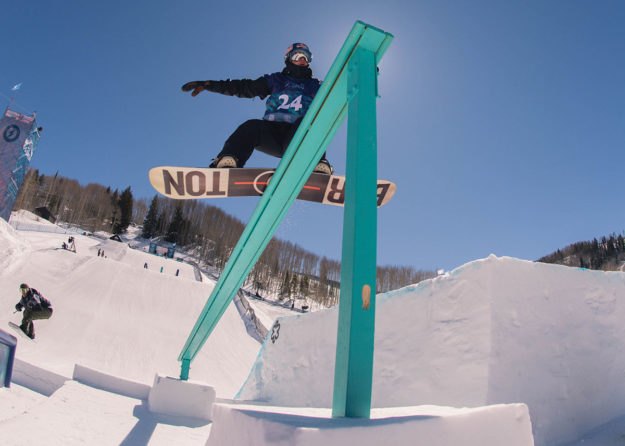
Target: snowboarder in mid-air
pixel 290 92
pixel 35 307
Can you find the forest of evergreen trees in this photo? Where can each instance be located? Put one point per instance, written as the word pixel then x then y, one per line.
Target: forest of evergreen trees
pixel 607 254
pixel 205 231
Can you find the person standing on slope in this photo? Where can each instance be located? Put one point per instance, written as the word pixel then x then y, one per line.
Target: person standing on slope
pixel 35 307
pixel 290 92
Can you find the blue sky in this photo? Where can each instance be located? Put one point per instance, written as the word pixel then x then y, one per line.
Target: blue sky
pixel 502 123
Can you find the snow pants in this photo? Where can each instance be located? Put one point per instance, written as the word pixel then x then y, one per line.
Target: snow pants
pixel 269 137
pixel 30 315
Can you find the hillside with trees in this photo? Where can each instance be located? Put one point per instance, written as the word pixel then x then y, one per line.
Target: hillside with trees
pixel 92 207
pixel 203 230
pixel 608 254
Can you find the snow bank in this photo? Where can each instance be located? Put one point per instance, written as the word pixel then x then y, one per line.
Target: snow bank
pixel 24 217
pixel 498 330
pixel 77 415
pixel 12 245
pixel 242 425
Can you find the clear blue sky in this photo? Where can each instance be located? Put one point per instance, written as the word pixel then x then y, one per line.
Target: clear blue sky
pixel 502 122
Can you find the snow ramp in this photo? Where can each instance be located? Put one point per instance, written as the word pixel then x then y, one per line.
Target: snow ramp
pixel 497 330
pixel 114 315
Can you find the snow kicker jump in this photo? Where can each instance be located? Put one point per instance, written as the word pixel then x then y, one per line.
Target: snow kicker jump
pixel 191 183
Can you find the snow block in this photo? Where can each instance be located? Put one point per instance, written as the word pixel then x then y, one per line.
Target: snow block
pixel 171 396
pixel 494 331
pixel 242 425
pixel 103 381
pixel 37 379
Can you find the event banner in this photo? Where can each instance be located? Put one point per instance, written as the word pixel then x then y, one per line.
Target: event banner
pixel 18 139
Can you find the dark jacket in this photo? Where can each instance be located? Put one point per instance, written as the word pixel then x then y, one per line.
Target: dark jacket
pixel 290 92
pixel 33 301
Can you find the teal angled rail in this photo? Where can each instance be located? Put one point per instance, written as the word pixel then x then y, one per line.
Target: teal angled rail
pixel 351 84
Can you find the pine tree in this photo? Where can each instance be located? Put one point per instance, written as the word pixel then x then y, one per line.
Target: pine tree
pixel 176 226
pixel 125 203
pixel 151 220
pixel 114 209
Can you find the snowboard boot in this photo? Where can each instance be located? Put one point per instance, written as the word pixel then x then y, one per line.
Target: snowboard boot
pixel 224 162
pixel 27 332
pixel 324 167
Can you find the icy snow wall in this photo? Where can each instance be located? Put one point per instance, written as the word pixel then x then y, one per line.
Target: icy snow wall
pixel 498 330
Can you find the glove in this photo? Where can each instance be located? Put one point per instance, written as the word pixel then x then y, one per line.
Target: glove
pixel 18 307
pixel 196 86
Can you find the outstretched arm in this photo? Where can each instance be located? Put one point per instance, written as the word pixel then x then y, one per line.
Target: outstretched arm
pixel 242 88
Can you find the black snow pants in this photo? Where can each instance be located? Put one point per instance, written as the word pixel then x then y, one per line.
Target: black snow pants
pixel 33 314
pixel 269 137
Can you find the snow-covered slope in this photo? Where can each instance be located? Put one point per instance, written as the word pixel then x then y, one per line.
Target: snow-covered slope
pixel 12 245
pixel 112 314
pixel 497 330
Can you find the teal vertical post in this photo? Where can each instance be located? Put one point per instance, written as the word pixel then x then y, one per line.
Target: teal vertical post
pixel 184 371
pixel 353 372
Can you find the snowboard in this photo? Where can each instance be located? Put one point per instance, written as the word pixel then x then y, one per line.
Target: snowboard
pixel 17 328
pixel 183 183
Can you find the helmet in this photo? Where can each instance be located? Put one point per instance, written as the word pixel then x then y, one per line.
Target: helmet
pixel 298 49
pixel 24 287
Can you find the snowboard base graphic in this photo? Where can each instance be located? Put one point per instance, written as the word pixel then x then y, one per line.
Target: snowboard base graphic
pixel 182 183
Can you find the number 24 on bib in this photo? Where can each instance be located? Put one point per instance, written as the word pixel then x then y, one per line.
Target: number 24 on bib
pixel 295 103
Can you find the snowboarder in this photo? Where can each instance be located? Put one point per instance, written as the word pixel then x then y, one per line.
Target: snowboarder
pixel 35 307
pixel 290 92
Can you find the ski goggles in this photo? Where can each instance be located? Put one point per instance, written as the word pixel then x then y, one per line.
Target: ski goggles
pixel 299 55
pixel 23 290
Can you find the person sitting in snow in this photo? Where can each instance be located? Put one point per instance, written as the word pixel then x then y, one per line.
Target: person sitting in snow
pixel 35 307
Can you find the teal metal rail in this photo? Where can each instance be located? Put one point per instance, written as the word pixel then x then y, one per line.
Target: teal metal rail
pixel 350 84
